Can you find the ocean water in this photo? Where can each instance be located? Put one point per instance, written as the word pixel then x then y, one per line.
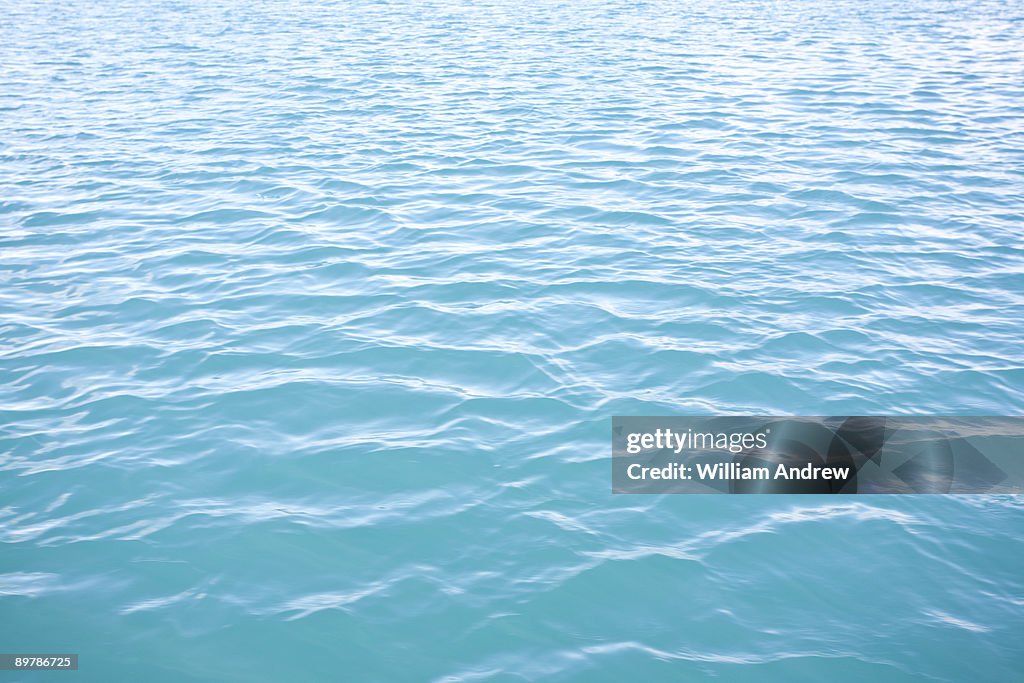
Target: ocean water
pixel 313 317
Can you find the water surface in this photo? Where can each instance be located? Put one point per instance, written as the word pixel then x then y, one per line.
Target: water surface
pixel 313 316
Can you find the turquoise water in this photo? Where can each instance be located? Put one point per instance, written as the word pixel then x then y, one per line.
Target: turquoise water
pixel 313 317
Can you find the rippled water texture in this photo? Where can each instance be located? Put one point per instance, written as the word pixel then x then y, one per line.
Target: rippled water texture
pixel 314 315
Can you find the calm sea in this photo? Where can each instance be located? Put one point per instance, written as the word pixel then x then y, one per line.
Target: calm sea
pixel 313 317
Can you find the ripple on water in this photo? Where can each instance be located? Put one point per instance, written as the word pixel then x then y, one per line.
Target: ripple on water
pixel 313 320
